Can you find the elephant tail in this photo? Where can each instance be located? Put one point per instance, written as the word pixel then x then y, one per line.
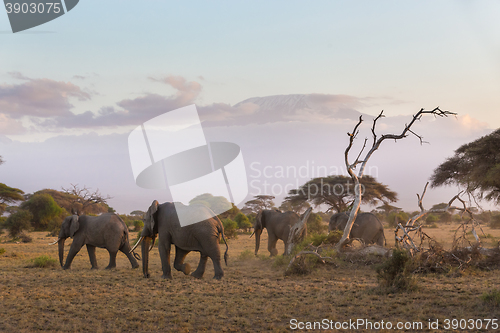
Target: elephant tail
pixel 220 229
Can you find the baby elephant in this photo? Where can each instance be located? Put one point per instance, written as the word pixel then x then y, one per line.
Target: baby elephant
pixel 366 227
pixel 105 231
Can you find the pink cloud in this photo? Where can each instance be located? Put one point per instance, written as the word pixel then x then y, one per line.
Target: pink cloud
pixel 38 97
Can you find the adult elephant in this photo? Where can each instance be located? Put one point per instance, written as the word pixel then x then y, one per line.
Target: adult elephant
pixel 366 227
pixel 203 237
pixel 278 226
pixel 105 231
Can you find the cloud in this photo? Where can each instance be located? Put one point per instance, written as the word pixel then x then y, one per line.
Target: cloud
pixel 186 91
pixel 10 126
pixel 38 97
pixel 130 111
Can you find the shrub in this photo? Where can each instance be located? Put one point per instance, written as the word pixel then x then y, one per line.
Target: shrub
pixel 495 222
pixel 315 224
pixel 2 250
pixel 43 209
pixel 246 255
pixel 43 262
pixel 242 221
pixel 397 217
pixel 431 218
pixel 18 221
pixel 492 297
pixel 25 238
pixel 138 225
pixel 230 228
pixel 303 265
pixel 281 260
pixel 395 273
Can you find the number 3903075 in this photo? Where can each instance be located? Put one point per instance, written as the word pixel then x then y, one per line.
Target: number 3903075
pixel 39 8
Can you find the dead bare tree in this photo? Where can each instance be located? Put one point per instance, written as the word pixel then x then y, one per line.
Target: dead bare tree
pixel 362 162
pixel 296 230
pixel 406 240
pixel 84 198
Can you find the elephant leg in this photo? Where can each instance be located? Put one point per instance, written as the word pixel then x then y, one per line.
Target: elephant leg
pixel 271 244
pixel 380 239
pixel 112 259
pixel 179 264
pixel 126 249
pixel 198 273
pixel 73 251
pixel 92 257
pixel 164 249
pixel 218 271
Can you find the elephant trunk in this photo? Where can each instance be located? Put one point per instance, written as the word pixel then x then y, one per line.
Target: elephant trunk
pixel 145 256
pixel 61 250
pixel 257 232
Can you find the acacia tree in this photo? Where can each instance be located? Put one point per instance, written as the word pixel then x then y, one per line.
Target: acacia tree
pixel 258 204
pixel 297 207
pixel 83 199
pixel 377 141
pixel 338 192
pixel 475 166
pixel 8 194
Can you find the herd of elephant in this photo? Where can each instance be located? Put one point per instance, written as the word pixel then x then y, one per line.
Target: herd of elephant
pixel 110 232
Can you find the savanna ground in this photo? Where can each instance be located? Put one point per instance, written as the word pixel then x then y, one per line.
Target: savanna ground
pixel 254 294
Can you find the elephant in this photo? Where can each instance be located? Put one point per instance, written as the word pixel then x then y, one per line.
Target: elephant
pixel 203 237
pixel 278 227
pixel 105 231
pixel 366 227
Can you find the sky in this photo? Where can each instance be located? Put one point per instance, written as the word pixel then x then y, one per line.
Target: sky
pixel 72 89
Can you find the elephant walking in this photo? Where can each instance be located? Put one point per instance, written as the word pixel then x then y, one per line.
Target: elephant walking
pixel 202 237
pixel 278 226
pixel 366 227
pixel 105 231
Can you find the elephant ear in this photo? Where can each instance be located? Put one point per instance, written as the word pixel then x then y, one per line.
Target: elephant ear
pixel 74 226
pixel 258 221
pixel 149 220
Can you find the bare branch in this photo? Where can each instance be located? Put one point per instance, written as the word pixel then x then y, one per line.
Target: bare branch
pixel 352 136
pixel 84 198
pixel 381 115
pixel 322 259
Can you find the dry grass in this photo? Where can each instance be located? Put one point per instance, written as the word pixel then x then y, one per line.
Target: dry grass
pixel 253 296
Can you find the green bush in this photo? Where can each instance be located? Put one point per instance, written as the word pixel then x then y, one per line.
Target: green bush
pixel 43 262
pixel 230 228
pixel 315 224
pixel 43 209
pixel 2 250
pixel 246 255
pixel 492 297
pixel 242 221
pixel 431 218
pixel 138 225
pixel 397 217
pixel 18 222
pixel 395 273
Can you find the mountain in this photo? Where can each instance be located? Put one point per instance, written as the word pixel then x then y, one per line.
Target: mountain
pixel 283 108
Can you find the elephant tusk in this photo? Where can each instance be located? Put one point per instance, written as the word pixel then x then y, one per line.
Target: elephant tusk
pixel 152 244
pixel 136 244
pixel 55 242
pixel 252 234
